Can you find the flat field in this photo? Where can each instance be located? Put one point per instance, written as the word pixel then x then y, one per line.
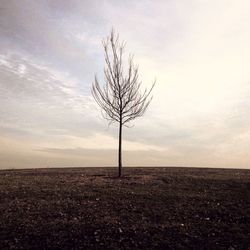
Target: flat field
pixel 148 208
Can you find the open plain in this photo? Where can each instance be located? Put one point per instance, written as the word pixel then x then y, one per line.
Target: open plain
pixel 148 208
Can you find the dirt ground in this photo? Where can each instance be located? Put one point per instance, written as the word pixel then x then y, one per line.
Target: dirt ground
pixel 149 208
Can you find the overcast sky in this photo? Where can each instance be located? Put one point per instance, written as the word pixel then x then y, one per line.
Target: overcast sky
pixel 198 50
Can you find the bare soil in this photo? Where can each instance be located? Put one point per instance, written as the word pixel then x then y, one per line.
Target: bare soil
pixel 148 208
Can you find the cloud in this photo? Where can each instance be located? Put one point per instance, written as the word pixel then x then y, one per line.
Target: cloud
pixel 48 33
pixel 41 100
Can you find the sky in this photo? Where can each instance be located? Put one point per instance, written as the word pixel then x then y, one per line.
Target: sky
pixel 198 51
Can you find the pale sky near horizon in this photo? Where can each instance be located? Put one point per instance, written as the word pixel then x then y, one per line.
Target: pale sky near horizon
pixel 198 50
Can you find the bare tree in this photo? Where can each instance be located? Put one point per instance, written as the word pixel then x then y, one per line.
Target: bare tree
pixel 120 97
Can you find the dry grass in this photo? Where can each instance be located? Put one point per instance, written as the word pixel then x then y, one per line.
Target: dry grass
pixel 149 208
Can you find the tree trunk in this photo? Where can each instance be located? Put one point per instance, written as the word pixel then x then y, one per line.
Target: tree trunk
pixel 120 150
